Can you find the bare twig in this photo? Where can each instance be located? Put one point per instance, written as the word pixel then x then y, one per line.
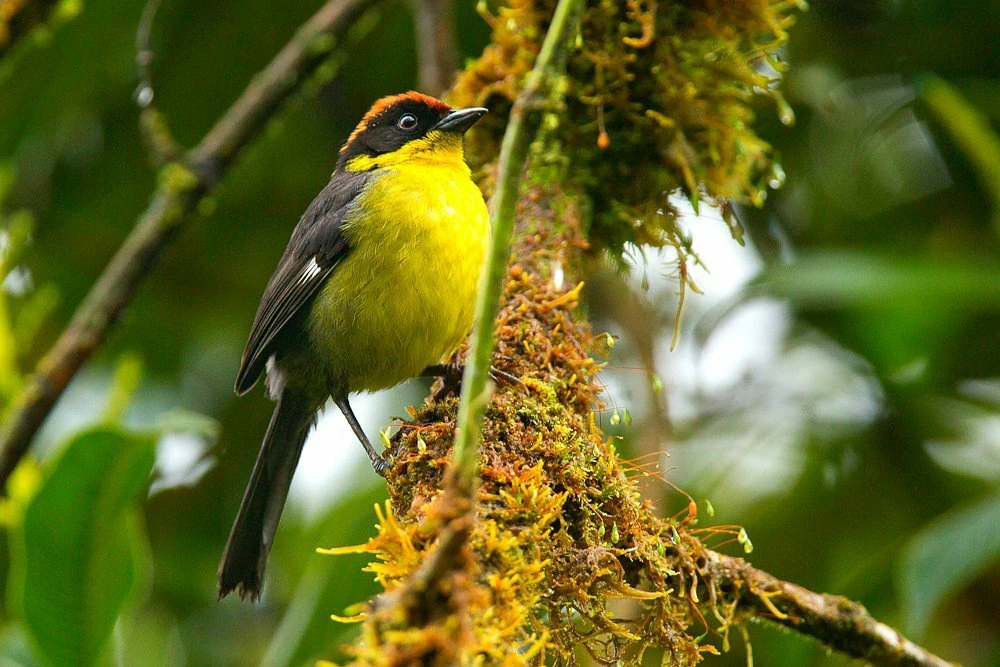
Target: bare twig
pixel 834 621
pixel 513 155
pixel 435 44
pixel 160 143
pixel 182 185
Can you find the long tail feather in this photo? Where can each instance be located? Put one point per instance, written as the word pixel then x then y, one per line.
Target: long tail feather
pixel 243 561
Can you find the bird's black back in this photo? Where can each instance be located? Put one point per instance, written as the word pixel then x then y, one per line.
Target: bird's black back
pixel 317 245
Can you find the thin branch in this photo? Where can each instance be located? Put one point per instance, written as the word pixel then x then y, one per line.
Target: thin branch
pixel 436 58
pixel 283 76
pixel 181 187
pixel 513 154
pixel 834 621
pixel 971 131
pixel 160 143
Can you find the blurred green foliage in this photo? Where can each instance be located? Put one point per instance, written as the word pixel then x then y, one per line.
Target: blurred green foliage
pixel 79 546
pixel 945 556
pixel 854 431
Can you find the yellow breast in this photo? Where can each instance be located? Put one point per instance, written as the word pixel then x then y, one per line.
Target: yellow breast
pixel 404 297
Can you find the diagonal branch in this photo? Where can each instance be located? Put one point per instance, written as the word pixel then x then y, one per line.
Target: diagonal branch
pixel 834 621
pixel 181 186
pixel 540 444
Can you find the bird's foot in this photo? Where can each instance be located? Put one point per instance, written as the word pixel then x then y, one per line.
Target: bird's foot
pixel 379 465
pixel 451 378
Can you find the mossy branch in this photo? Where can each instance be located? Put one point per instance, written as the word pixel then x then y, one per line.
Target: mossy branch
pixel 182 185
pixel 832 620
pixel 513 156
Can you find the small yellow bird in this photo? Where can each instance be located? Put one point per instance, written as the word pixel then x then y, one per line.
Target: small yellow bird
pixel 377 285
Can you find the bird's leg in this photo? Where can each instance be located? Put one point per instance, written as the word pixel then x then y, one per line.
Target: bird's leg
pixel 451 376
pixel 378 463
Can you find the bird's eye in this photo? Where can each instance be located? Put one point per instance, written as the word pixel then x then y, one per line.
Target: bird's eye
pixel 407 122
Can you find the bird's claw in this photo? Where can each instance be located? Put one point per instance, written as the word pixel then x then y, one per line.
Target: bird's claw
pixel 380 465
pixel 451 378
pixel 503 378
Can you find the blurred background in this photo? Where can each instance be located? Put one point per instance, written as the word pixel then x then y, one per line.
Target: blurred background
pixel 835 389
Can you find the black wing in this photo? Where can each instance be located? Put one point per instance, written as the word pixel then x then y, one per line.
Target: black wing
pixel 316 247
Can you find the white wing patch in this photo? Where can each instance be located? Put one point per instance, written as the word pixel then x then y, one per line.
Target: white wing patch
pixel 310 271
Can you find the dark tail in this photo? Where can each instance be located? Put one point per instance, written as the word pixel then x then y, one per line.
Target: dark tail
pixel 243 561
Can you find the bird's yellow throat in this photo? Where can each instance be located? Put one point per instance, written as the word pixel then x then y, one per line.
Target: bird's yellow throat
pixel 404 297
pixel 437 147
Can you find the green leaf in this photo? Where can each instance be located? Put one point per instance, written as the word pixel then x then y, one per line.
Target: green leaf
pixel 870 280
pixel 328 584
pixel 971 131
pixel 946 555
pixel 76 560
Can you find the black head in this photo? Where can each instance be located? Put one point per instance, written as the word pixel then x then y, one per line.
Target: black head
pixel 397 120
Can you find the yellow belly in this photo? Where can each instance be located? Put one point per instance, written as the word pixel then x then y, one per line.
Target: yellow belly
pixel 404 297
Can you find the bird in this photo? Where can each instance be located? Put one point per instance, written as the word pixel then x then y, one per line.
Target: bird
pixel 376 285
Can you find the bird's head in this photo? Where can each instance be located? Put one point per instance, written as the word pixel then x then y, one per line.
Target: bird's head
pixel 405 127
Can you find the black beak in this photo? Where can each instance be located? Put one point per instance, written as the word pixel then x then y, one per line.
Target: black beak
pixel 460 120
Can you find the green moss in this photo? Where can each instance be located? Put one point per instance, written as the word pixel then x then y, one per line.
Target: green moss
pixel 176 179
pixel 659 98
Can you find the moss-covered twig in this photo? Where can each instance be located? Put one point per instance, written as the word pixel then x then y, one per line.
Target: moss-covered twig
pixel 513 156
pixel 834 621
pixel 182 184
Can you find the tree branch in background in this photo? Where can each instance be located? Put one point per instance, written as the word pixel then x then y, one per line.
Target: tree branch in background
pixel 160 143
pixel 834 621
pixel 435 33
pixel 181 186
pixel 20 17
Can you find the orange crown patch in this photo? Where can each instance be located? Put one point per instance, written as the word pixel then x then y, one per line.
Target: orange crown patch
pixel 384 103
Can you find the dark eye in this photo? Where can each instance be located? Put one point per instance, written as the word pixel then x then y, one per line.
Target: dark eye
pixel 407 122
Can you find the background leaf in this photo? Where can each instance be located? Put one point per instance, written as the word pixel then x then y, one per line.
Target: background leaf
pixel 77 559
pixel 874 280
pixel 945 556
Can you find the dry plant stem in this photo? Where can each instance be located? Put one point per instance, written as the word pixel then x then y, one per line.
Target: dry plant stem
pixel 834 621
pixel 513 155
pixel 435 26
pixel 30 15
pixel 181 187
